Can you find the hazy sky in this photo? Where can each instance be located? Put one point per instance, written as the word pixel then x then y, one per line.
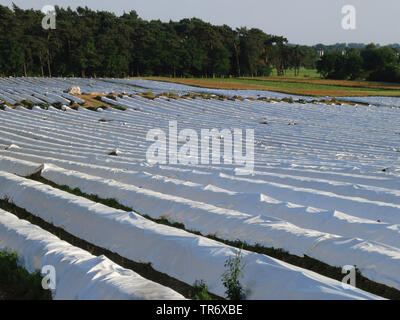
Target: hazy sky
pixel 301 21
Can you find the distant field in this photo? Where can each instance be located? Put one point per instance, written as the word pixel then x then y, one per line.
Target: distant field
pixel 304 73
pixel 307 83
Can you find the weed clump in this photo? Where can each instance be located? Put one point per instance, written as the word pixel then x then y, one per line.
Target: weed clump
pixel 27 103
pixel 112 153
pixel 231 277
pixel 111 96
pixel 201 291
pixel 173 95
pixel 288 100
pixel 148 95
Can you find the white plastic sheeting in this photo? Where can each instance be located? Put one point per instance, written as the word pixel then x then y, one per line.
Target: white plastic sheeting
pixel 185 256
pixel 78 274
pixel 331 221
pixel 377 261
pixel 18 167
pixel 335 173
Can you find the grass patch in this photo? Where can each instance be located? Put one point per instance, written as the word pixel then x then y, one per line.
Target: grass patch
pixel 148 95
pixel 118 107
pixel 16 283
pixel 94 102
pixel 170 95
pixel 303 74
pixel 305 86
pixel 305 262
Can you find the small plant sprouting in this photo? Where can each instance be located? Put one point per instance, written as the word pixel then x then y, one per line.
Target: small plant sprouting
pixel 201 291
pixel 231 277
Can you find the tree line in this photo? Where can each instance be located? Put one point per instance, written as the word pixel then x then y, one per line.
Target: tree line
pixel 370 63
pixel 89 43
pixel 99 43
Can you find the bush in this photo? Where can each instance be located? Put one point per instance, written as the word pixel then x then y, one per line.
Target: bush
pixel 388 74
pixel 266 71
pixel 231 276
pixel 17 283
